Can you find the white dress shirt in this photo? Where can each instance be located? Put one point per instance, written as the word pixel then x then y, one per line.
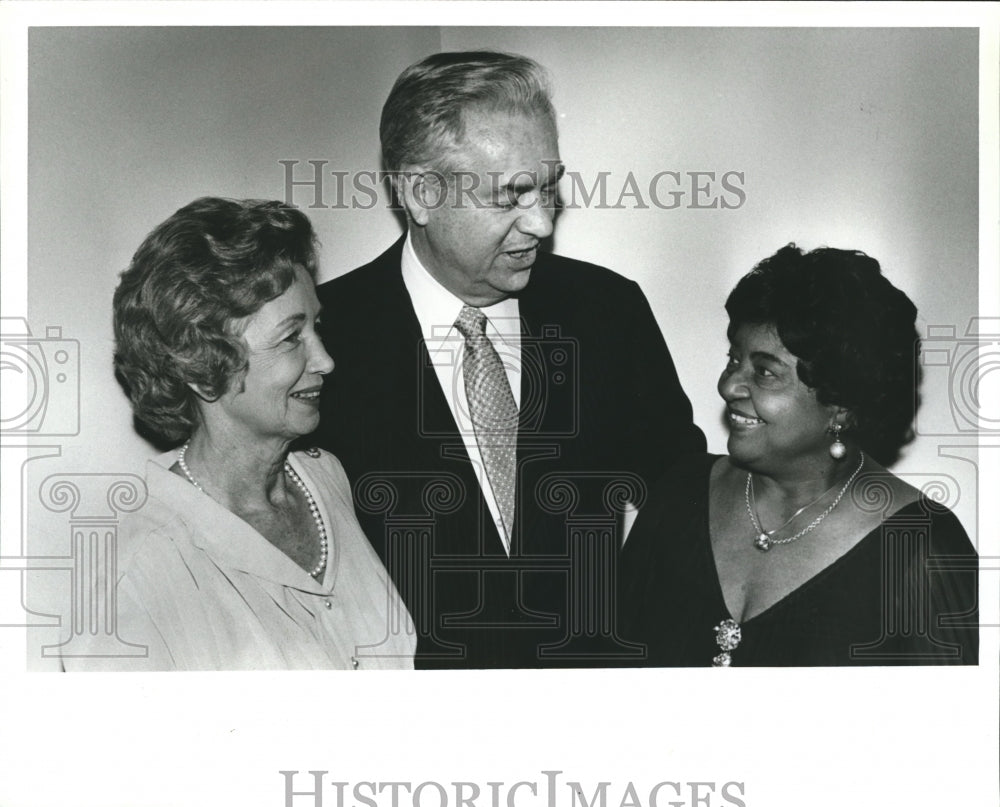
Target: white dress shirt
pixel 437 309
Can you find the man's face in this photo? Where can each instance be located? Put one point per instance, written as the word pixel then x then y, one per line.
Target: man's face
pixel 480 239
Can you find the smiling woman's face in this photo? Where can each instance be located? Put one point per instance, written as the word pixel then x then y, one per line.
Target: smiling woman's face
pixel 774 419
pixel 278 396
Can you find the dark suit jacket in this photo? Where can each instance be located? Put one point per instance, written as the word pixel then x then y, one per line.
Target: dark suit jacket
pixel 602 416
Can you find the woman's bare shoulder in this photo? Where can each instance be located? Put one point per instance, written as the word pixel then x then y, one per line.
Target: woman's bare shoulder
pixel 879 489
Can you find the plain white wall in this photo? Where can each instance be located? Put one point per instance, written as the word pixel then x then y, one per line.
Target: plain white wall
pixel 859 138
pixel 126 125
pixel 852 138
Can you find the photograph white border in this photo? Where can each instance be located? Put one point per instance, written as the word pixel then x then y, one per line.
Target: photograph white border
pixel 917 736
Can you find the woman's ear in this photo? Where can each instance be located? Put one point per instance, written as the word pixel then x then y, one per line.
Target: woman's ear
pixel 843 417
pixel 202 392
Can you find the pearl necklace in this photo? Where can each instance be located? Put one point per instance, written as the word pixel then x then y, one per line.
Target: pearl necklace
pixel 320 566
pixel 763 541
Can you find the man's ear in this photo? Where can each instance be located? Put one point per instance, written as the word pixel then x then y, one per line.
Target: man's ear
pixel 420 190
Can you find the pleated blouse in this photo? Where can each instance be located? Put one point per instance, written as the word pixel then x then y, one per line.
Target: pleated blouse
pixel 203 590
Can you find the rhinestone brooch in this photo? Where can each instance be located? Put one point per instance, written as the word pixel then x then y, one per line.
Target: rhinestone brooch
pixel 727 637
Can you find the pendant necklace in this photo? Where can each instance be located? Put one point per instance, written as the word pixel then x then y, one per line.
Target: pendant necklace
pixel 763 540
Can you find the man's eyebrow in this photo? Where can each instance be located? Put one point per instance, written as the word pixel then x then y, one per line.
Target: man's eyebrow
pixel 526 181
pixel 292 318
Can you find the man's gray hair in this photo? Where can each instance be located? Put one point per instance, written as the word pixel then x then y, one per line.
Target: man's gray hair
pixel 423 117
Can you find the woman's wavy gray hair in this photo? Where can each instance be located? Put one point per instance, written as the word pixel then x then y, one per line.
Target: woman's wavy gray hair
pixel 179 305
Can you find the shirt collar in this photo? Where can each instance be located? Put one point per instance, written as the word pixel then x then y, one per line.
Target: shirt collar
pixel 437 308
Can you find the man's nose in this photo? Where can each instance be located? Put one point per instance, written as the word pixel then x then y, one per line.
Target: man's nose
pixel 536 218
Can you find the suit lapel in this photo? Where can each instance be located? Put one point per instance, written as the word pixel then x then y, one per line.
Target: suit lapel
pixel 430 416
pixel 552 422
pixel 535 448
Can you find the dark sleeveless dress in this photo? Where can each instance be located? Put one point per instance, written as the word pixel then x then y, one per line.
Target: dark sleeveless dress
pixel 905 594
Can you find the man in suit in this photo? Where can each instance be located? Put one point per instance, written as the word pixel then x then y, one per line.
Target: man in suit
pixel 495 406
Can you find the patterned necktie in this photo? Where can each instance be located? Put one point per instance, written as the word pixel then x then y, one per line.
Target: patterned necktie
pixel 492 409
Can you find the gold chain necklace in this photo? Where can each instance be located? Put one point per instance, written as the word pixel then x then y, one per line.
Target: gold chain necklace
pixel 763 540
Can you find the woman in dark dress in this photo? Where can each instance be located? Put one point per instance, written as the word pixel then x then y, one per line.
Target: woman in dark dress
pixel 799 547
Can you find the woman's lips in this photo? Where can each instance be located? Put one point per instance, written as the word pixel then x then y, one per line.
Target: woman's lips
pixel 307 395
pixel 745 421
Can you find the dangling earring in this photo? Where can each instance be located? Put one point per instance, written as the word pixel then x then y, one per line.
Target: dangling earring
pixel 837 448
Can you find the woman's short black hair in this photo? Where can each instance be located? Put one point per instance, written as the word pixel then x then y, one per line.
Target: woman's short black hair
pixel 852 331
pixel 178 307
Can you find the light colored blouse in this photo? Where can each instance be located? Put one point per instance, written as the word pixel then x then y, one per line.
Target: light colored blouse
pixel 205 591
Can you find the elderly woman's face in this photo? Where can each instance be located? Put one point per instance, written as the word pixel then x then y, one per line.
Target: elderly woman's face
pixel 279 394
pixel 772 416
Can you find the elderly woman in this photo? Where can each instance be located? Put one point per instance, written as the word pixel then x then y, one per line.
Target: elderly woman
pixel 246 555
pixel 800 548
